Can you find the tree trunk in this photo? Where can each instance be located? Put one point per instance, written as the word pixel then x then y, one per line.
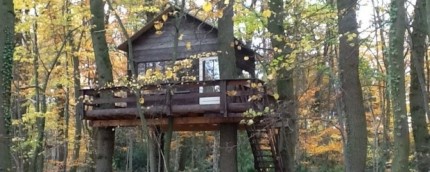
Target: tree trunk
pixel 215 152
pixel 61 109
pixel 185 153
pixel 228 148
pixel 7 46
pixel 355 118
pixel 396 85
pixel 168 134
pixel 226 54
pixel 78 107
pixel 417 98
pixel 105 137
pixel 228 70
pixel 285 86
pixel 40 120
pixel 153 151
pixel 384 153
pixel 104 148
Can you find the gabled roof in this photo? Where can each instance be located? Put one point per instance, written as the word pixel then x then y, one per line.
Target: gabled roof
pixel 124 46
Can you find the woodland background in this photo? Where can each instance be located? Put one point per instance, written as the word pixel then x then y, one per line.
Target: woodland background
pixel 382 59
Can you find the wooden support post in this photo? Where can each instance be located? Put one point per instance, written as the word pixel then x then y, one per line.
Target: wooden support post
pixel 81 101
pixel 169 101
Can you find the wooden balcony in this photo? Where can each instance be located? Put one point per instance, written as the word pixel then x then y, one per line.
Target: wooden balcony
pixel 192 105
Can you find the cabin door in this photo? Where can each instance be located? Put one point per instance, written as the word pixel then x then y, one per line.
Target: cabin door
pixel 209 70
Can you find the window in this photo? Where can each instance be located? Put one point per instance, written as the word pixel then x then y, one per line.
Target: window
pixel 209 70
pixel 143 67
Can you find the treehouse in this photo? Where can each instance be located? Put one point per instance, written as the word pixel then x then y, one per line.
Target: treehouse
pixel 175 59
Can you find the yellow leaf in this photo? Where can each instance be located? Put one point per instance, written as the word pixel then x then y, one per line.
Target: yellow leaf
pixel 169 74
pixel 158 25
pixel 246 58
pixel 276 96
pixel 267 13
pixel 164 17
pixel 141 101
pixel 231 93
pixel 188 45
pixel 218 14
pixel 207 7
pixel 270 77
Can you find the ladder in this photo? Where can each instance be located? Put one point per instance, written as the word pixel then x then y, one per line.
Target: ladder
pixel 264 147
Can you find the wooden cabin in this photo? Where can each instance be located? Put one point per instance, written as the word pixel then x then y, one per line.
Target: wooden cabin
pixel 195 105
pixel 206 99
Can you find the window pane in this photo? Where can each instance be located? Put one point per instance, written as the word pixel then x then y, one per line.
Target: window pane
pixel 141 68
pixel 210 69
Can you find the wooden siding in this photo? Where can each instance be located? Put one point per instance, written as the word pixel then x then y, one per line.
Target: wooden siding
pixel 159 47
pixel 152 47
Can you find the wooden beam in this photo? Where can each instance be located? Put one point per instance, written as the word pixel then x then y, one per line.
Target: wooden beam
pixel 154 111
pixel 210 123
pixel 179 123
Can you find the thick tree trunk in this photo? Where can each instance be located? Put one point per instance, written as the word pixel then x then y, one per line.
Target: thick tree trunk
pixel 417 98
pixel 228 70
pixel 396 85
pixel 285 86
pixel 226 54
pixel 6 59
pixel 105 137
pixel 104 148
pixel 228 147
pixel 427 13
pixel 355 118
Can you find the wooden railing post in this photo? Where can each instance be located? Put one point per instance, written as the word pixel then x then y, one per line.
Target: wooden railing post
pixel 223 98
pixel 82 104
pixel 169 101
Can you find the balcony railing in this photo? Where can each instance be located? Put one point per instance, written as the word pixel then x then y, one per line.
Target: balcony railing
pixel 220 98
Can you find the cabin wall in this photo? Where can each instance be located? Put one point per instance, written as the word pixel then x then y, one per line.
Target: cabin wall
pixel 153 47
pixel 160 47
